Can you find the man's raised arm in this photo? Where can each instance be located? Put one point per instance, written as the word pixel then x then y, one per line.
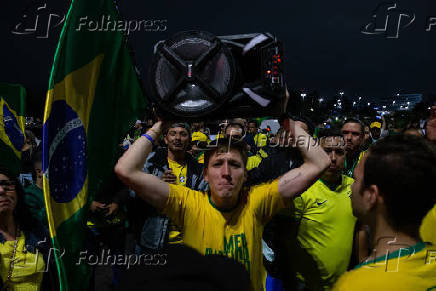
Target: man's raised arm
pixel 129 170
pixel 297 180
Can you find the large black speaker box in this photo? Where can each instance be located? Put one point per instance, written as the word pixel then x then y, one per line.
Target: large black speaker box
pixel 196 75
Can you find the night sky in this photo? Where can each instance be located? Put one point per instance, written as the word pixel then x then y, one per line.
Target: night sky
pixel 325 49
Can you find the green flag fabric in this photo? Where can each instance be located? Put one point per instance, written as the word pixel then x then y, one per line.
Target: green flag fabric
pixel 94 97
pixel 12 124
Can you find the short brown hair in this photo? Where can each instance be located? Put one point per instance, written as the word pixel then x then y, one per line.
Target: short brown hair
pixel 225 145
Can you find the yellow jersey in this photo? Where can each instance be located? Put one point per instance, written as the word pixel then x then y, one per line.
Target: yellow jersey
pixel 325 231
pixel 412 268
pixel 180 171
pixel 235 233
pixel 28 268
pixel 428 227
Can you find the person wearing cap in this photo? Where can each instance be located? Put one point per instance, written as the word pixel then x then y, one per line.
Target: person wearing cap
pixel 199 142
pixel 377 130
pixel 175 166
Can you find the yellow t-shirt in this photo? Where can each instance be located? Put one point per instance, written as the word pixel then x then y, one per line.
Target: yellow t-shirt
pixel 325 232
pixel 428 227
pixel 180 171
pixel 235 233
pixel 412 268
pixel 28 267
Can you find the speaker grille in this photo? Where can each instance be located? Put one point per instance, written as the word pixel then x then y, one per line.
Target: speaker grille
pixel 193 74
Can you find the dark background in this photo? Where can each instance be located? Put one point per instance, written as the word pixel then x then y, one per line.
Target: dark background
pixel 324 47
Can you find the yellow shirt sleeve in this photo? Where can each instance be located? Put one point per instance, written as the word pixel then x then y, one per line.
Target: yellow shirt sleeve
pixel 265 200
pixel 428 229
pixel 179 200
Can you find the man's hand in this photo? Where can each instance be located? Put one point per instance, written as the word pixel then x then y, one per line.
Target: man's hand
pixel 96 206
pixel 169 177
pixel 113 208
pixel 297 180
pixel 294 129
pixel 431 125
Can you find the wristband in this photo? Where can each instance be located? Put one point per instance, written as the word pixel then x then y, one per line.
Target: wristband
pixel 149 138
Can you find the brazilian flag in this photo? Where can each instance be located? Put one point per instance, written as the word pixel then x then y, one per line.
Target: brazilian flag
pixel 12 123
pixel 93 98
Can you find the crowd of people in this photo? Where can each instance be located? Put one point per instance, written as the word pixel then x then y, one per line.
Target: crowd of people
pixel 341 206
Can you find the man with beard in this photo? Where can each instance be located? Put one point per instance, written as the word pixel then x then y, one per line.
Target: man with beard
pixel 325 221
pixel 353 133
pixel 175 166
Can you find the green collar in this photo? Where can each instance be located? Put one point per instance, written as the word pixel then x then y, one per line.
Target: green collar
pixel 396 254
pixel 331 186
pixel 222 209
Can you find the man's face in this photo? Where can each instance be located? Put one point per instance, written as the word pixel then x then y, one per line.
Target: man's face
pixel 375 132
pixel 352 136
pixel 366 138
pixel 8 195
pixel 177 139
pixel 252 128
pixel 334 146
pixel 226 174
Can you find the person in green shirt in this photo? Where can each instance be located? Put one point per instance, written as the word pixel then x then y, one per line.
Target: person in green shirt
pixel 34 195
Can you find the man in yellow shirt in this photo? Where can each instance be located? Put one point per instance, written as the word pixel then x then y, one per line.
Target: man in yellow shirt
pixel 199 142
pixel 174 165
pixel 228 219
pixel 325 220
pixel 260 139
pixel 391 195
